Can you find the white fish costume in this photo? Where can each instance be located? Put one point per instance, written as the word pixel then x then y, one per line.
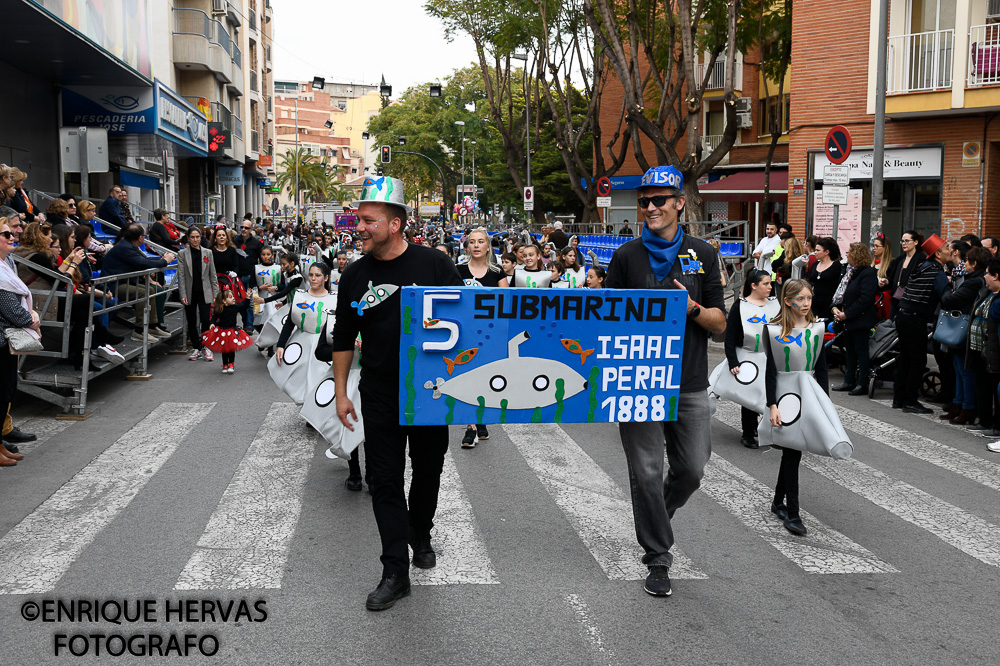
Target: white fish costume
pixel 516 382
pixel 299 369
pixel 809 420
pixel 575 278
pixel 747 388
pixel 267 276
pixel 532 279
pixel 268 336
pixel 320 406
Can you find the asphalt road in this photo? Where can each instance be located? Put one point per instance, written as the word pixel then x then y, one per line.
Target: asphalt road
pixel 201 487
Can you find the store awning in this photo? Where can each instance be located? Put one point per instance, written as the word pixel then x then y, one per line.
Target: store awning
pixel 134 178
pixel 746 186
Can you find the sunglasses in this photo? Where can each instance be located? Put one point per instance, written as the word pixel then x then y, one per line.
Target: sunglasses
pixel 659 200
pixel 6 234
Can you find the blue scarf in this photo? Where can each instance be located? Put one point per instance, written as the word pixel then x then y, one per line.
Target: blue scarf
pixel 662 253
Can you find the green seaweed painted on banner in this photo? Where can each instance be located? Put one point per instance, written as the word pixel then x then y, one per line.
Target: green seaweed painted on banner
pixel 481 409
pixel 536 415
pixel 411 392
pixel 450 416
pixel 407 315
pixel 592 382
pixel 560 393
pixel 503 411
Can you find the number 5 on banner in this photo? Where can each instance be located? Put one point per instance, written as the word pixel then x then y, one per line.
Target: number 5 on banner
pixel 445 324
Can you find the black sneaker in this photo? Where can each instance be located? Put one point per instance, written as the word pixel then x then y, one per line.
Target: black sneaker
pixel 353 483
pixel 424 556
pixel 469 441
pixel 482 433
pixel 18 437
pixel 389 590
pixel 658 581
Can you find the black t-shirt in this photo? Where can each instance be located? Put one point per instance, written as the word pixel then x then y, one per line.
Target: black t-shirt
pixel 630 269
pixel 226 261
pixel 379 323
pixel 490 279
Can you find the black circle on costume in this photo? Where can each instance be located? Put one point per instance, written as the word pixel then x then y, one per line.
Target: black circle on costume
pixel 324 394
pixel 292 354
pixel 744 367
pixel 498 385
pixel 540 383
pixel 798 414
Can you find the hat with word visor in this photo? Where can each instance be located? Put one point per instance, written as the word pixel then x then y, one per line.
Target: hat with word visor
pixel 662 176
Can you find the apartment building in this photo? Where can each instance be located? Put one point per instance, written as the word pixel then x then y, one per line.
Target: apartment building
pixel 733 189
pixel 942 157
pixel 328 120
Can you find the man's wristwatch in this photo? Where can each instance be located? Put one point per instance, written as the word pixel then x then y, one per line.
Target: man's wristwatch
pixel 695 311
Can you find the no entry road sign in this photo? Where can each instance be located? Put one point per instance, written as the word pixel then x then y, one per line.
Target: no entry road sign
pixel 838 144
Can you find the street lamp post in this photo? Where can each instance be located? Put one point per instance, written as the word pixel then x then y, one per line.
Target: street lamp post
pixel 475 192
pixel 462 124
pixel 527 112
pixel 297 157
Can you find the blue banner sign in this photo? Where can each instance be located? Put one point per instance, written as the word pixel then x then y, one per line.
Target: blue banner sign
pixel 482 355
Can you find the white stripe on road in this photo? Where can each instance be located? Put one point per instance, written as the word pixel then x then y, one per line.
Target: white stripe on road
pixel 591 632
pixel 599 511
pixel 825 551
pixel 918 446
pixel 970 534
pixel 956 527
pixel 40 549
pixel 246 542
pixel 461 551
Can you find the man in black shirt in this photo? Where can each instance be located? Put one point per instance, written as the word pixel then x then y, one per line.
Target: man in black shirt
pixel 388 263
pixel 664 257
pixel 250 247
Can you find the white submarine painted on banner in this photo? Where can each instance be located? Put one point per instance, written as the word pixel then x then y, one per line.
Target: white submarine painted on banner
pixel 522 382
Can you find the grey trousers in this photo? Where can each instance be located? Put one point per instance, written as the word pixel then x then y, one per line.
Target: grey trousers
pixel 688 442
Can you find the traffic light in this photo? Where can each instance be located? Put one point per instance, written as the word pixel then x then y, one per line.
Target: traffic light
pixel 386 156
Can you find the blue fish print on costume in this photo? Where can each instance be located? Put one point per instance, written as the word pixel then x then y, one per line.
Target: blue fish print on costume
pixel 306 306
pixel 757 319
pixel 374 296
pixel 789 339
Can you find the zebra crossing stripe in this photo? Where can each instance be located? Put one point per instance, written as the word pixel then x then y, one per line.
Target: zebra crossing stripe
pixel 941 455
pixel 826 551
pixel 39 550
pixel 966 532
pixel 461 552
pixel 599 511
pixel 247 539
pixel 591 631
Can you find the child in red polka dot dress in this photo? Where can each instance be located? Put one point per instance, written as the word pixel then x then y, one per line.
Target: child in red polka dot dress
pixel 224 336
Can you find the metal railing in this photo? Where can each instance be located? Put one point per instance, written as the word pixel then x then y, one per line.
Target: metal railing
pixel 222 114
pixel 192 22
pixel 984 54
pixel 920 61
pixel 717 78
pixel 709 142
pixel 237 57
pixel 221 37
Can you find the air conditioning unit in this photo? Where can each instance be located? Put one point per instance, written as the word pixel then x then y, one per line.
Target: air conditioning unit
pixel 743 105
pixel 744 120
pixel 219 6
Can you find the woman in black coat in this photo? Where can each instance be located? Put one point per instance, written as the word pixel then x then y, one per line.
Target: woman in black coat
pixel 857 312
pixel 900 267
pixel 824 276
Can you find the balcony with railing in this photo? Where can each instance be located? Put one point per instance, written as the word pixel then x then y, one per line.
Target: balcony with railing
pixel 202 42
pixel 237 127
pixel 717 77
pixel 252 20
pixel 710 142
pixel 920 62
pixel 984 53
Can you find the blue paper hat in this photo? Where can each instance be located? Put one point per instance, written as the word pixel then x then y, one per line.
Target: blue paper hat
pixel 662 176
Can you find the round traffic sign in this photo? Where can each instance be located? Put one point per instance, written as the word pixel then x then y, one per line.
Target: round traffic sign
pixel 603 186
pixel 838 144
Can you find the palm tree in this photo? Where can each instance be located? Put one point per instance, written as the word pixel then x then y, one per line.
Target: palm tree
pixel 310 172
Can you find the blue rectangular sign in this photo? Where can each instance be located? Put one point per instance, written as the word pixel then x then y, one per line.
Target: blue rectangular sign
pixel 493 355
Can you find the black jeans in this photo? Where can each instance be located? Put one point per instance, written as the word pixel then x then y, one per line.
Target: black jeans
pixel 399 521
pixel 786 490
pixel 856 349
pixel 986 391
pixel 912 361
pixel 749 420
pixel 8 381
pixel 194 311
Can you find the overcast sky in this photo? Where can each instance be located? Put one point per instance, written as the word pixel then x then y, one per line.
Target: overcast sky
pixel 358 42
